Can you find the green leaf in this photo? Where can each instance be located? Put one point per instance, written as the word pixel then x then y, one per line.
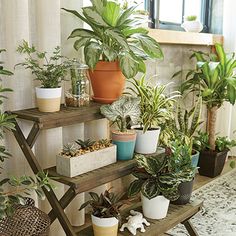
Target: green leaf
pixel 111 13
pixel 84 33
pixel 99 5
pixel 110 53
pixel 129 31
pixel 150 189
pixel 128 65
pixel 80 43
pixel 92 15
pixel 92 52
pixel 141 66
pixel 125 15
pixel 135 187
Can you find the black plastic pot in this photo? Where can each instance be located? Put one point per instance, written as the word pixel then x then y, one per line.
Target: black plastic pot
pixel 211 163
pixel 185 190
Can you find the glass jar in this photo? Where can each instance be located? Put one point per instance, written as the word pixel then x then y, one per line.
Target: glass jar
pixel 78 94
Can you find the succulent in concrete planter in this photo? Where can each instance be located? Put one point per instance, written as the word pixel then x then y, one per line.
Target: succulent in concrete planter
pixel 83 156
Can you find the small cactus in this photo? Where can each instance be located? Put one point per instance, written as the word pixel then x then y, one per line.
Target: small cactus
pixel 85 144
pixel 70 149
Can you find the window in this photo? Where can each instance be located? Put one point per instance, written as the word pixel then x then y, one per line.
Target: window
pixel 169 14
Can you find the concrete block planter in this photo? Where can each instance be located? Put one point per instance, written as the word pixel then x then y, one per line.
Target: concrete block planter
pixel 73 166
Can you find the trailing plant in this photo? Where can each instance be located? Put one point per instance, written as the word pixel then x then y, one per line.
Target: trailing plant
pixel 191 18
pixel 115 35
pixel 154 178
pixel 49 70
pixel 214 80
pixel 122 112
pixel 106 205
pixel 156 107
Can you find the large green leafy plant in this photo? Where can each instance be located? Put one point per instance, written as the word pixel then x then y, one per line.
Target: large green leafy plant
pixel 50 71
pixel 214 80
pixel 155 105
pixel 115 35
pixel 13 190
pixel 122 112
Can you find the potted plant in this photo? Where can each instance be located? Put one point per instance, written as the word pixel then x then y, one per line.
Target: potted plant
pixel 156 108
pixel 123 113
pixel 84 156
pixel 156 183
pixel 191 24
pixel 105 212
pixel 214 81
pixel 212 163
pixel 115 47
pixel 50 71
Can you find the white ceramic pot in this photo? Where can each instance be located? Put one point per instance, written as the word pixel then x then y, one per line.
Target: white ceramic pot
pixel 146 143
pixel 105 226
pixel 192 26
pixel 48 99
pixel 155 208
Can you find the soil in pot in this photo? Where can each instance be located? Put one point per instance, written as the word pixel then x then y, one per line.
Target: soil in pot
pixel 185 191
pixel 211 163
pixel 107 82
pixel 125 143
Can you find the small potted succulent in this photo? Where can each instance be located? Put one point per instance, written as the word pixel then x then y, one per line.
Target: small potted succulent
pixel 156 183
pixel 123 113
pixel 156 109
pixel 105 212
pixel 84 156
pixel 50 71
pixel 191 24
pixel 115 47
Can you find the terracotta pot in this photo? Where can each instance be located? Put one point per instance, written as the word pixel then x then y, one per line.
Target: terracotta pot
pixel 211 163
pixel 107 82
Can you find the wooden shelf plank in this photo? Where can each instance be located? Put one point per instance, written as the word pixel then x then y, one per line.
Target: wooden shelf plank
pixel 188 38
pixel 176 214
pixel 66 116
pixel 92 179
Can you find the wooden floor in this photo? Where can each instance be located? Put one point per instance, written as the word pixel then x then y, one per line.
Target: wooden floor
pixel 202 180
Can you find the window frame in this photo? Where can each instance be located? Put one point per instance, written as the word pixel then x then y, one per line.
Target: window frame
pixel 153 7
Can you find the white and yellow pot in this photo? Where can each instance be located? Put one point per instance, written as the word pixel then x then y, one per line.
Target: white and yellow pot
pixel 48 99
pixel 105 226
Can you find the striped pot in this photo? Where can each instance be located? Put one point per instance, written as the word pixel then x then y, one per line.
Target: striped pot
pixel 125 143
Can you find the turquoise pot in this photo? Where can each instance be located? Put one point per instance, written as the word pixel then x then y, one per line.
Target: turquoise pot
pixel 125 143
pixel 195 158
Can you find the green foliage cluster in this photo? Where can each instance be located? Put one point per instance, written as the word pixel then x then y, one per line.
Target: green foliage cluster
pixel 191 18
pixel 115 35
pixel 50 71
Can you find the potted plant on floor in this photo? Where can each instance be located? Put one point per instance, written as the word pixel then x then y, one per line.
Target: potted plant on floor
pixel 84 156
pixel 212 166
pixel 156 183
pixel 105 212
pixel 191 24
pixel 215 82
pixel 156 108
pixel 115 47
pixel 123 113
pixel 50 71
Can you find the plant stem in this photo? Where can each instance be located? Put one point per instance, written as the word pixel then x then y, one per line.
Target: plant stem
pixel 212 112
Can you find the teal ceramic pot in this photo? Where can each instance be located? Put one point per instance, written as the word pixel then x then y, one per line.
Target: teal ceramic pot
pixel 195 158
pixel 125 143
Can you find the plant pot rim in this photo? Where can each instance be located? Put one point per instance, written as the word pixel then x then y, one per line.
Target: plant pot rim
pixel 39 87
pixel 214 151
pixel 107 66
pixel 128 132
pixel 104 222
pixel 139 127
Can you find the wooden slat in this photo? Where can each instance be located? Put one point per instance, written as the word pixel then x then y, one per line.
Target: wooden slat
pixel 66 116
pixel 95 178
pixel 176 215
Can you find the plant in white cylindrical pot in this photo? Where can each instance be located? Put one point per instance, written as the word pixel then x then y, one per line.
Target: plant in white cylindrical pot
pixel 105 212
pixel 156 108
pixel 156 183
pixel 191 24
pixel 50 71
pixel 123 112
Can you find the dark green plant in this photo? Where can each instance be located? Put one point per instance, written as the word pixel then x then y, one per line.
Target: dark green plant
pixel 106 205
pixel 122 112
pixel 86 144
pixel 153 178
pixel 156 107
pixel 201 141
pixel 49 70
pixel 214 80
pixel 115 35
pixel 224 143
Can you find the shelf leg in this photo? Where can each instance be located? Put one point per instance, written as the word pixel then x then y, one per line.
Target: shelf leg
pixel 190 228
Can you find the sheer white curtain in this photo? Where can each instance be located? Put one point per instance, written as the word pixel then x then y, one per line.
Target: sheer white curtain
pixel 43 23
pixel 227 114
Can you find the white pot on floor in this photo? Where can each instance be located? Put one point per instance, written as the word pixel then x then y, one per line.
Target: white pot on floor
pixel 146 143
pixel 48 99
pixel 155 208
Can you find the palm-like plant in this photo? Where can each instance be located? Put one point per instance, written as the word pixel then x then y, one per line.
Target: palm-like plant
pixel 115 35
pixel 215 81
